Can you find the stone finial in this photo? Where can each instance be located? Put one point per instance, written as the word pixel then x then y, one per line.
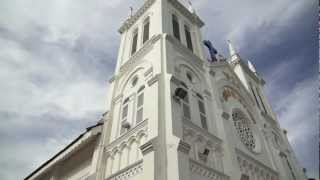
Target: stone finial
pixel 252 67
pixel 232 50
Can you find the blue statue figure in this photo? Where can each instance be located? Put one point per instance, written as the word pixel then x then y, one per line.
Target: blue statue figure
pixel 211 49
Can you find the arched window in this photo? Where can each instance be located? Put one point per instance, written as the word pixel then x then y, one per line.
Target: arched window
pixel 146 29
pixel 175 26
pixel 140 102
pixel 134 41
pixel 124 115
pixel 185 106
pixel 188 37
pixel 202 112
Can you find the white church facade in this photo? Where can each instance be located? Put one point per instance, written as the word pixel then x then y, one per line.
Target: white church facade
pixel 174 115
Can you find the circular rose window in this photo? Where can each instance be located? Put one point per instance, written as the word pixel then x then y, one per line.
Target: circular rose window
pixel 242 124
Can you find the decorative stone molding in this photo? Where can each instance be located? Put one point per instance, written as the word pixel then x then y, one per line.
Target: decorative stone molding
pixel 153 80
pixel 184 147
pixel 183 10
pixel 255 167
pixel 117 98
pixel 136 58
pixel 127 172
pixel 227 92
pixel 147 147
pixel 134 133
pixel 193 59
pixel 230 92
pixel 243 128
pixel 129 22
pixel 202 170
pixel 190 128
pixel 201 140
pixel 217 65
pixel 148 72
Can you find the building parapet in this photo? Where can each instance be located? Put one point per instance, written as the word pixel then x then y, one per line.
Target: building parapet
pixel 140 129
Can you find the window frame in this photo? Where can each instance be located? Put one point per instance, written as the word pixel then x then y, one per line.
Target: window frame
pixel 125 105
pixel 185 103
pixel 188 36
pixel 140 107
pixel 203 122
pixel 146 21
pixel 175 23
pixel 134 41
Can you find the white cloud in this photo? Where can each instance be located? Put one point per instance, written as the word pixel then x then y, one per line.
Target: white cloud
pixel 298 112
pixel 250 24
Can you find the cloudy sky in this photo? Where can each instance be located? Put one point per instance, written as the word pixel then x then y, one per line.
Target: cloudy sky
pixel 57 56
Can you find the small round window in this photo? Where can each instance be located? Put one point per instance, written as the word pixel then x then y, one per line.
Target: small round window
pixel 242 125
pixel 134 81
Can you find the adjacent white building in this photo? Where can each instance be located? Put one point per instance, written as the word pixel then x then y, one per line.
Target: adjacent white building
pixel 176 116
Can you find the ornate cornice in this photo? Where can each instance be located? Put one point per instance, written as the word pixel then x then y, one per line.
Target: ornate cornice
pixel 129 22
pixel 142 127
pixel 183 10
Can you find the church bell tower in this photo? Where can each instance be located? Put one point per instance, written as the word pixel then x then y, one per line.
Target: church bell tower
pixel 174 115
